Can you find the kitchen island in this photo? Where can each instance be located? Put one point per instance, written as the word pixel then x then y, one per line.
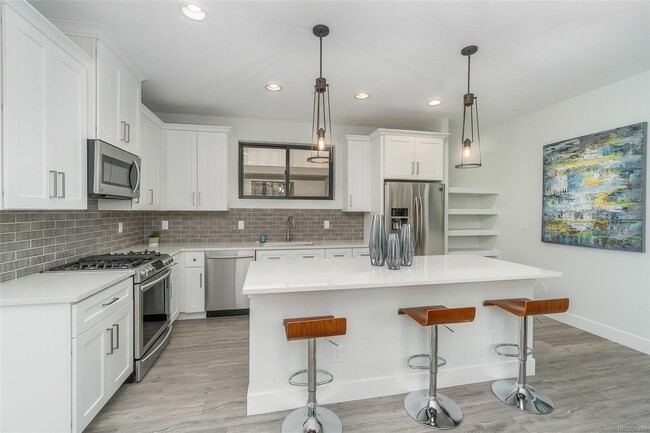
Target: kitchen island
pixel 374 351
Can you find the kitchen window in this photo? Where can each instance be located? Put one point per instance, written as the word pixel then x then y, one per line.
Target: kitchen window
pixel 281 171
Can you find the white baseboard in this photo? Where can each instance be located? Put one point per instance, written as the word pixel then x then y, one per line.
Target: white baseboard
pixel 339 391
pixel 616 335
pixel 190 316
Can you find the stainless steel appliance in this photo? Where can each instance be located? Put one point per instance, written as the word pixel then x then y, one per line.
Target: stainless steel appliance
pixel 421 204
pixel 112 172
pixel 225 272
pixel 151 295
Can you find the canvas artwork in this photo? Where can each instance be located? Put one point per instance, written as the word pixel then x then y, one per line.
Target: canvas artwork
pixel 594 190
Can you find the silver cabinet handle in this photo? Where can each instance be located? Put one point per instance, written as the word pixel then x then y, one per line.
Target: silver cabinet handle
pixel 123 137
pixel 112 349
pixel 412 165
pixel 117 336
pixel 62 174
pixel 151 199
pixel 199 198
pixel 417 167
pixel 193 199
pixel 201 280
pixel 112 302
pixel 56 183
pixel 338 255
pixel 273 258
pixel 171 289
pixel 307 257
pixel 364 254
pixel 128 132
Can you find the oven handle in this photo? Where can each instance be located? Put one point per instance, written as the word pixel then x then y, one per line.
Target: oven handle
pixel 145 287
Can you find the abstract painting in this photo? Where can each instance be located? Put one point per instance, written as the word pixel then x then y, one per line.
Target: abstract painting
pixel 594 190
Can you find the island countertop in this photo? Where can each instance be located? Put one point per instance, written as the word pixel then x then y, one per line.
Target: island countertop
pixel 287 276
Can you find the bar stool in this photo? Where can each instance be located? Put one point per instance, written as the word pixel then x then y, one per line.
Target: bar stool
pixel 312 418
pixel 427 406
pixel 516 392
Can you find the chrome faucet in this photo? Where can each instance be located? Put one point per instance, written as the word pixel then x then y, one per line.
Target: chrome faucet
pixel 291 224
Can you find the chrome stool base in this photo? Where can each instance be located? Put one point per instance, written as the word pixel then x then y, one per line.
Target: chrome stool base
pixel 524 398
pixel 436 412
pixel 326 421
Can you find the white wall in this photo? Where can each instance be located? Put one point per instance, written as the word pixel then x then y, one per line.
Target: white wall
pixel 272 131
pixel 609 290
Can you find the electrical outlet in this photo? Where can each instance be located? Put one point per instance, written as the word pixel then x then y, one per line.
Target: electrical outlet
pixel 523 226
pixel 326 224
pixel 240 225
pixel 165 225
pixel 543 288
pixel 120 228
pixel 493 336
pixel 337 353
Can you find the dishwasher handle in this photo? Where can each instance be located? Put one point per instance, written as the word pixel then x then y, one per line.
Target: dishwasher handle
pixel 241 254
pixel 230 257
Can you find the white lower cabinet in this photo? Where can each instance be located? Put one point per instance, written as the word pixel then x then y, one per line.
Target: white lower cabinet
pixel 271 255
pixel 338 253
pixel 193 282
pixel 102 359
pixel 360 252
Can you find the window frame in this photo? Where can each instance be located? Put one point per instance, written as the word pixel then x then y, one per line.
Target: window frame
pixel 287 170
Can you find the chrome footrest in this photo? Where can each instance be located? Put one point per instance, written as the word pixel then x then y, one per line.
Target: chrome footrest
pixel 441 361
pixel 511 355
pixel 330 377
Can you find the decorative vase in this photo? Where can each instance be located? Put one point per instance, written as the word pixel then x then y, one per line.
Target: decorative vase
pixel 153 242
pixel 406 242
pixel 377 245
pixel 394 252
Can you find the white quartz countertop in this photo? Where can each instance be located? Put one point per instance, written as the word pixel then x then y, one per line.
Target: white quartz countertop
pixel 58 287
pixel 172 249
pixel 286 276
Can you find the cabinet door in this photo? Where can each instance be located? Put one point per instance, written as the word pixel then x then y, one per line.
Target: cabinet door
pixel 150 137
pixel 90 390
pixel 108 126
pixel 181 169
pixel 174 293
pixel 399 162
pixel 129 110
pixel 272 255
pixel 67 130
pixel 28 184
pixel 307 254
pixel 120 361
pixel 358 177
pixel 360 252
pixel 194 290
pixel 429 155
pixel 212 171
pixel 338 253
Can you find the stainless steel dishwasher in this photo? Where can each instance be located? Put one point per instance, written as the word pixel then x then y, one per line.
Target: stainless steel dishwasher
pixel 225 272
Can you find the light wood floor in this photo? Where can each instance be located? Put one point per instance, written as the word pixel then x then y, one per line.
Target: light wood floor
pixel 199 384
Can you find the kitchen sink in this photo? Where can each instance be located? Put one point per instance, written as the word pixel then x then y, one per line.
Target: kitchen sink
pixel 289 244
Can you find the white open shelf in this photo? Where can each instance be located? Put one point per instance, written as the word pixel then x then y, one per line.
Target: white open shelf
pixel 473 232
pixel 471 218
pixel 473 191
pixel 473 211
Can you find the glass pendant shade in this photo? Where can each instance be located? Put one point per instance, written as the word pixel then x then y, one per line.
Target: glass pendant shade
pixel 321 121
pixel 470 156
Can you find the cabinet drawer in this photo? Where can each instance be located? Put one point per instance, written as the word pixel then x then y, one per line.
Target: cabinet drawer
pixel 360 252
pixel 338 253
pixel 308 254
pixel 194 260
pixel 272 255
pixel 93 310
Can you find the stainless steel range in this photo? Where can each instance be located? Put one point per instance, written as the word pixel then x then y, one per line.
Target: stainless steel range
pixel 151 294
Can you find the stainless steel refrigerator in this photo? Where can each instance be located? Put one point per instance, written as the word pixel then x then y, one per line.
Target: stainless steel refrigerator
pixel 421 204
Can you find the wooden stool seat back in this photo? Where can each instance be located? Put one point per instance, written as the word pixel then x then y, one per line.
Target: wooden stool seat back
pixel 439 314
pixel 301 328
pixel 530 307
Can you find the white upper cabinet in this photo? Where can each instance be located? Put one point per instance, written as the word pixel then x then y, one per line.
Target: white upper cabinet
pixel 356 182
pixel 44 99
pixel 196 168
pixel 415 156
pixel 151 136
pixel 118 101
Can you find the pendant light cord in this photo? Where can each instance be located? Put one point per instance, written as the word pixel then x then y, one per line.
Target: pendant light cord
pixel 320 38
pixel 469 58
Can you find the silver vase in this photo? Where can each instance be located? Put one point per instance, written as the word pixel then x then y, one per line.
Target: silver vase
pixel 394 251
pixel 406 242
pixel 377 245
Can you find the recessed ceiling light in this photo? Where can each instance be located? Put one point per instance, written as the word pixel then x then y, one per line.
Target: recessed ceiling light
pixel 194 12
pixel 434 102
pixel 273 87
pixel 361 95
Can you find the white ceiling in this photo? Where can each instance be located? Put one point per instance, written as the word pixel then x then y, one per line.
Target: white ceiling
pixel 531 54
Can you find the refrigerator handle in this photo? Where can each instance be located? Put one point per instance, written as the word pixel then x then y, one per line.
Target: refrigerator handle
pixel 416 222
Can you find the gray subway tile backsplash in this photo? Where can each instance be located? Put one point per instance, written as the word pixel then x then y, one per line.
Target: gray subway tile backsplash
pixel 31 241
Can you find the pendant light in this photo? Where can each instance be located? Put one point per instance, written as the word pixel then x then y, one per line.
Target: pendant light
pixel 471 149
pixel 321 119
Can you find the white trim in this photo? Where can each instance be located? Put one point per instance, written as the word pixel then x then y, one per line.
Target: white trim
pixel 382 131
pixel 200 128
pixel 151 116
pixel 293 397
pixel 616 335
pixel 191 316
pixel 351 137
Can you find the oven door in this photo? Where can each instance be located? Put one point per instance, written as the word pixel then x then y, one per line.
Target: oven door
pixel 152 316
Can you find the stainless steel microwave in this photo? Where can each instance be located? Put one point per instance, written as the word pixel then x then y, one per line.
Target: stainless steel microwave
pixel 112 172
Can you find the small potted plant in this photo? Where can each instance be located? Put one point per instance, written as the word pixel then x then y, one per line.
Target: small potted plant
pixel 154 238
